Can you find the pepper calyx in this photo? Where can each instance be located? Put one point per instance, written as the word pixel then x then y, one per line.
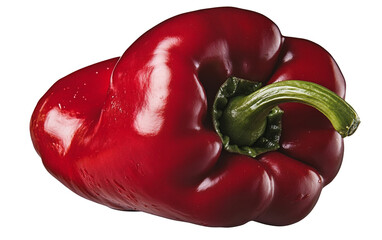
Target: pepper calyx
pixel 267 135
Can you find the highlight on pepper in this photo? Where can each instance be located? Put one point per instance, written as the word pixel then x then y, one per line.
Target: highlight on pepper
pixel 212 117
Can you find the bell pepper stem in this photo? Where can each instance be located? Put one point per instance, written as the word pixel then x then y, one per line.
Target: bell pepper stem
pixel 245 117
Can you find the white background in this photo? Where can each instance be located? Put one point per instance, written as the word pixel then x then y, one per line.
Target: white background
pixel 42 41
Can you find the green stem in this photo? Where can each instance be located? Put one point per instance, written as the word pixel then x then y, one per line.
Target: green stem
pixel 245 117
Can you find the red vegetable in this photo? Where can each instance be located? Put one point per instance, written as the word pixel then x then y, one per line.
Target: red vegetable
pixel 145 132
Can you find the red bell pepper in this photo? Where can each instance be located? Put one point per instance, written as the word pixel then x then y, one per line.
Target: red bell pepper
pixel 160 130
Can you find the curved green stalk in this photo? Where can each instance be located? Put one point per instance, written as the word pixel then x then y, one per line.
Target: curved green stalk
pixel 244 118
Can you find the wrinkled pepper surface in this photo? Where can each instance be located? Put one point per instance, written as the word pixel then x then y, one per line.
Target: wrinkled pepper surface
pixel 161 129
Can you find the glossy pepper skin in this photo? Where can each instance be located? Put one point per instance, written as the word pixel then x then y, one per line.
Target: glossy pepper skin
pixel 135 132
